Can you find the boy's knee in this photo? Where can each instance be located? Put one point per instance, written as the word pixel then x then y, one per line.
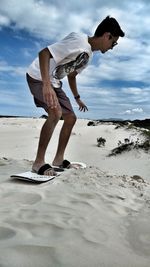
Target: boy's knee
pixel 55 113
pixel 70 118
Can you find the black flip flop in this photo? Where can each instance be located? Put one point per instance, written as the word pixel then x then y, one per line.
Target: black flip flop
pixel 65 164
pixel 46 167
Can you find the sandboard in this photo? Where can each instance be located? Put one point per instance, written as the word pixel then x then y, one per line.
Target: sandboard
pixel 33 177
pixel 30 176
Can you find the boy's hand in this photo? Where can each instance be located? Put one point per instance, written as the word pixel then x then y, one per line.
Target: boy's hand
pixel 49 96
pixel 82 106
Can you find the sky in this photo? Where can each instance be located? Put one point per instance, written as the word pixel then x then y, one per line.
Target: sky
pixel 114 85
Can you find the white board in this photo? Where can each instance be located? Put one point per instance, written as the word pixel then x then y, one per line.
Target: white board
pixel 32 177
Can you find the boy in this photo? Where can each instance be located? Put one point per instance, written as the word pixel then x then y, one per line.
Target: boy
pixel 65 58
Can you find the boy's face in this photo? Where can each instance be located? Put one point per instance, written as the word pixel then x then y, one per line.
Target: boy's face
pixel 108 42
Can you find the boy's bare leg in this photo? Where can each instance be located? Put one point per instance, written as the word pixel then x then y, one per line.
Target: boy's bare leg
pixel 69 121
pixel 45 136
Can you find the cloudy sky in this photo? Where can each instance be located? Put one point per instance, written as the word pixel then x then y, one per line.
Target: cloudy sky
pixel 115 84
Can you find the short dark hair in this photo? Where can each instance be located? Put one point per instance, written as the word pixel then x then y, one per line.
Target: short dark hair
pixel 109 25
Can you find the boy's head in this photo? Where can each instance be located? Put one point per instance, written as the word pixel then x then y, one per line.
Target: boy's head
pixel 106 35
pixel 109 25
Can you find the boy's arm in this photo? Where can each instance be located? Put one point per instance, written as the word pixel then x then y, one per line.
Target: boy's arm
pixel 48 92
pixel 72 83
pixel 73 86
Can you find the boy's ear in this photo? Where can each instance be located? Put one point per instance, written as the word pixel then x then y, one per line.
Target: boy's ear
pixel 105 35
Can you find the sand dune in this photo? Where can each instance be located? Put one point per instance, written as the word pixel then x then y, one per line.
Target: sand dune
pixel 95 217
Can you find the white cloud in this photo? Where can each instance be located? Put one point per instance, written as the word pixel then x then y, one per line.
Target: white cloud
pixel 137 94
pixel 12 70
pixel 4 21
pixel 44 19
pixel 132 111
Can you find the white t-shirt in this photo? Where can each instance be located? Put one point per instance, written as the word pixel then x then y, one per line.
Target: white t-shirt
pixel 70 54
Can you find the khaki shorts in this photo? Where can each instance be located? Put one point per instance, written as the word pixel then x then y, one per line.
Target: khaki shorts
pixel 36 90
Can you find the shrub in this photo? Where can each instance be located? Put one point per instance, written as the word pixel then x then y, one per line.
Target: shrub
pixel 101 141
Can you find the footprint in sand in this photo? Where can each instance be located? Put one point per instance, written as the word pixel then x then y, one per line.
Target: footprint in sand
pixel 22 198
pixel 29 255
pixel 96 236
pixel 3 161
pixel 139 234
pixel 6 233
pixel 25 198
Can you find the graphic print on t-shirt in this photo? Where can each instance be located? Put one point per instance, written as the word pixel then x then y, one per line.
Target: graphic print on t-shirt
pixel 63 70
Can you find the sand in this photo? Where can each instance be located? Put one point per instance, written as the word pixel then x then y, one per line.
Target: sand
pixel 94 217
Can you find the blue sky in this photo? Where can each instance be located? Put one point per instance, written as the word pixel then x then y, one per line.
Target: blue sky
pixel 115 84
